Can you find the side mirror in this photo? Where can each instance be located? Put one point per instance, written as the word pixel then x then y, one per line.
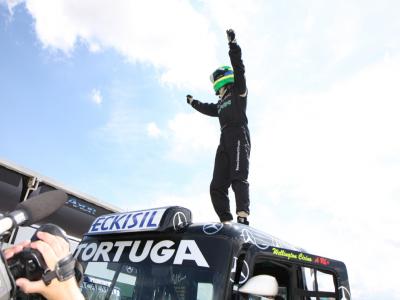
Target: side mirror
pixel 261 285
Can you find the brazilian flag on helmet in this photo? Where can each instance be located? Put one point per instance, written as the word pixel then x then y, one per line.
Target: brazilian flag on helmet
pixel 221 77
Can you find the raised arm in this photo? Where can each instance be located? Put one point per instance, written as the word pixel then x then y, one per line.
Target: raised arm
pixel 209 109
pixel 235 54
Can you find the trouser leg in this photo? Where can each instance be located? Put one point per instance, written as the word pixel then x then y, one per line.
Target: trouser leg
pixel 240 170
pixel 220 184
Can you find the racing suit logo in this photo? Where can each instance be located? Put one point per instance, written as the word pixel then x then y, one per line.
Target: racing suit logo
pixel 224 105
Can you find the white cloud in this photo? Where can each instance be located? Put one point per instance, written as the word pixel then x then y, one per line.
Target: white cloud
pixel 324 167
pixel 335 154
pixel 349 130
pixel 170 35
pixel 93 47
pixel 191 135
pixel 325 160
pixel 198 203
pixel 96 97
pixel 122 128
pixel 11 4
pixel 153 130
pixel 343 34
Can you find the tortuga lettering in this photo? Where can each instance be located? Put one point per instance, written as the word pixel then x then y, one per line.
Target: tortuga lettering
pixel 130 221
pixel 159 252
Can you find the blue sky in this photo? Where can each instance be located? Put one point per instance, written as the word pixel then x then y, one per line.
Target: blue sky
pixel 92 94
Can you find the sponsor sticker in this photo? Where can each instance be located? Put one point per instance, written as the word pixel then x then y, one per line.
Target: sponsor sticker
pixel 144 220
pixel 289 255
pixel 322 261
pixel 139 250
pixel 345 293
pixel 212 228
pixel 179 220
pixel 80 205
pixel 244 273
pixel 99 286
pixel 256 239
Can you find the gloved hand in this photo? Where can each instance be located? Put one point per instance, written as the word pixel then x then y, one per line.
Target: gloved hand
pixel 231 36
pixel 189 99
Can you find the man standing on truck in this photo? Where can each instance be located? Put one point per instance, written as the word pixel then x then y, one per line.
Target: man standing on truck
pixel 231 165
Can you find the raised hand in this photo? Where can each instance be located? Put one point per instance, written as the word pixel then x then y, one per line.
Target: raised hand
pixel 230 33
pixel 189 99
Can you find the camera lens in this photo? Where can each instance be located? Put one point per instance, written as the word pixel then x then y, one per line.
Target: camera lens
pixel 31 266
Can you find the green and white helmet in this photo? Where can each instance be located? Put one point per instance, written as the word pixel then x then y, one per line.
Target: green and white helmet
pixel 221 77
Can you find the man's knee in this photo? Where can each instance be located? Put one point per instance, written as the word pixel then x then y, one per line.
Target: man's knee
pixel 240 183
pixel 216 188
pixel 213 188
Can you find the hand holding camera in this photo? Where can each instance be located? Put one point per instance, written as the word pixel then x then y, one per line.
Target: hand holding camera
pixel 45 264
pixel 47 255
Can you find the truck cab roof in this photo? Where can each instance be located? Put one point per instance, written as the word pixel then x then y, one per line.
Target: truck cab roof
pixel 166 241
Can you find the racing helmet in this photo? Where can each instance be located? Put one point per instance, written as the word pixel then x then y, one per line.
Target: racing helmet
pixel 221 77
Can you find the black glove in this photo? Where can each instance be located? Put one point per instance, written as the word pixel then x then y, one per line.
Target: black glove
pixel 189 99
pixel 231 36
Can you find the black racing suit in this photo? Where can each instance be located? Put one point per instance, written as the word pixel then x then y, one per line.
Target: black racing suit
pixel 231 165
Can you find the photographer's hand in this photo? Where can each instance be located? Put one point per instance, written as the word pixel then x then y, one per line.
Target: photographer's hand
pixel 10 252
pixel 53 249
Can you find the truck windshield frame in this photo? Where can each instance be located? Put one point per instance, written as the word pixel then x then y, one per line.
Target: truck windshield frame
pixel 155 267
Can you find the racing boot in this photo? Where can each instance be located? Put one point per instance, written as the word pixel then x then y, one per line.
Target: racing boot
pixel 242 220
pixel 242 217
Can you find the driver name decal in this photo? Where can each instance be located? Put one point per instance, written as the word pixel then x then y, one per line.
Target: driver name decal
pixel 291 255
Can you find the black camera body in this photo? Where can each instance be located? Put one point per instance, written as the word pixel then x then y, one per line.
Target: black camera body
pixel 28 263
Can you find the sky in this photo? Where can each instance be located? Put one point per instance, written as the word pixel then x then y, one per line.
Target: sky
pixel 93 95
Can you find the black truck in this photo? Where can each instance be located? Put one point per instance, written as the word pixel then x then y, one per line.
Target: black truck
pixel 160 254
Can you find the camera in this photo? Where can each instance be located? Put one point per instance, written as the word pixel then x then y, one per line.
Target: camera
pixel 28 263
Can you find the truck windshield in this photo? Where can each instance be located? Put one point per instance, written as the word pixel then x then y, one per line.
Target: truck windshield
pixel 150 269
